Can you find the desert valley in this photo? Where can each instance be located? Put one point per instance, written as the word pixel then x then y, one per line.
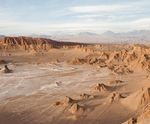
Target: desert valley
pixel 43 81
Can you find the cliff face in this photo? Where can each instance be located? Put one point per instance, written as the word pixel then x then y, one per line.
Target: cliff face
pixel 29 43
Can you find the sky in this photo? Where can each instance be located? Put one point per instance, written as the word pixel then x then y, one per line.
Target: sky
pixel 73 16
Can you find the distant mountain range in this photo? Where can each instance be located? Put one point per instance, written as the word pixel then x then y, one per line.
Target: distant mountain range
pixel 40 36
pixel 2 36
pixel 136 36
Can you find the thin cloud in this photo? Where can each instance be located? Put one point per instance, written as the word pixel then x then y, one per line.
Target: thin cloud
pixel 96 26
pixel 100 8
pixel 98 18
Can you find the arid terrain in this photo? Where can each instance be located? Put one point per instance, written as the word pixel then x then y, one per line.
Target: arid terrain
pixel 43 81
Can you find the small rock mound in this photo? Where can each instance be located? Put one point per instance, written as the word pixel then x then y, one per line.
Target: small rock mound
pixel 3 62
pixel 66 101
pixel 131 121
pixel 76 108
pixel 6 70
pixel 115 96
pixel 58 103
pixel 70 105
pixel 101 87
pixel 116 82
pixel 86 96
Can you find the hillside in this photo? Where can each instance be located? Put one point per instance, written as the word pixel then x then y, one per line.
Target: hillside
pixel 29 43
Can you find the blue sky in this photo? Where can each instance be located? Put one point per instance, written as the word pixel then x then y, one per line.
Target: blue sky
pixel 73 16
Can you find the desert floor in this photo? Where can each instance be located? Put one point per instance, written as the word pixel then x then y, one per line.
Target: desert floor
pixel 28 95
pixel 44 88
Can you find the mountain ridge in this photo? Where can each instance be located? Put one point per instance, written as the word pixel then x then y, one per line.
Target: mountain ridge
pixel 30 43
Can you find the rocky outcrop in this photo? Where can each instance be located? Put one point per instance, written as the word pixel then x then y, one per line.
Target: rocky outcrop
pixel 86 96
pixel 76 108
pixel 101 88
pixel 114 97
pixel 66 101
pixel 71 105
pixel 36 44
pixel 124 61
pixel 6 70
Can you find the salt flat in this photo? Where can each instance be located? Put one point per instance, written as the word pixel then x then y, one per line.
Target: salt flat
pixel 31 78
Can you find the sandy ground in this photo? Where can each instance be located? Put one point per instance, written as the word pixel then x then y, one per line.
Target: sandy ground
pixel 47 89
pixel 28 95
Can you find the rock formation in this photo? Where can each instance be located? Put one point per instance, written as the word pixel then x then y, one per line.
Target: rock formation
pixel 86 96
pixel 138 99
pixel 115 82
pixel 114 97
pixel 101 87
pixel 6 70
pixel 76 108
pixel 125 61
pixel 66 101
pixel 3 62
pixel 33 44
